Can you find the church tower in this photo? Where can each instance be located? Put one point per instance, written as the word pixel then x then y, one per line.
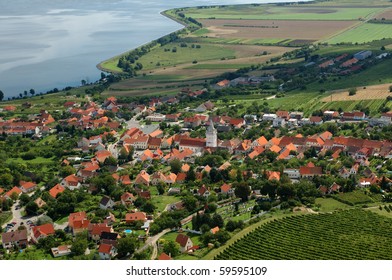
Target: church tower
pixel 211 136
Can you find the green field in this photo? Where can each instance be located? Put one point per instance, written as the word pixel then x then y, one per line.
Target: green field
pixel 183 55
pixel 161 201
pixel 282 13
pixel 353 198
pixel 5 217
pixel 352 234
pixel 330 204
pixel 363 33
pixel 217 66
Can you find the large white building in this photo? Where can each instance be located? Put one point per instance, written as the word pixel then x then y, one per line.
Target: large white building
pixel 211 136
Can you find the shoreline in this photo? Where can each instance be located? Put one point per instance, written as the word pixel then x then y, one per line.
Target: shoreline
pixel 100 66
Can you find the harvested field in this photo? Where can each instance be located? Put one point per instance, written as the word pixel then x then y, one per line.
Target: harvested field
pixel 371 92
pixel 283 13
pixel 295 30
pixel 387 15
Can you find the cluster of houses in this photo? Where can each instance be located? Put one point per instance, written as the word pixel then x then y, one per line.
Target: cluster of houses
pixel 295 119
pixel 345 64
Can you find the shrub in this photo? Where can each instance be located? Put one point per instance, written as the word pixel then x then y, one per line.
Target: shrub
pixel 352 91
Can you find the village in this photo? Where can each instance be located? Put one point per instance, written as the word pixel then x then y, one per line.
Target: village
pixel 155 172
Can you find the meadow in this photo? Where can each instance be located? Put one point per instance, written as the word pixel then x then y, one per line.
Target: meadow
pixel 363 33
pixel 352 234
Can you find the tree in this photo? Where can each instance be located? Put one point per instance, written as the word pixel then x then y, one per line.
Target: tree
pixel 352 91
pixel 126 245
pixel 175 166
pixel 190 203
pixel 171 248
pixel 241 190
pixel 1 95
pixel 217 221
pixel 110 161
pixel 31 208
pixel 32 92
pixel 80 244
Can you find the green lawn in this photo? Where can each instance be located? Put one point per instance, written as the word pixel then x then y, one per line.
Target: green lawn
pixel 363 33
pixel 37 160
pixel 183 55
pixel 353 198
pixel 5 217
pixel 282 13
pixel 330 204
pixel 382 212
pixel 160 201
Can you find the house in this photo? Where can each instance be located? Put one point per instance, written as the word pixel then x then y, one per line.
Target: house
pixel 15 191
pixel 135 217
pixel 316 120
pixel 214 230
pixel 353 116
pixel 106 251
pixel 95 230
pixel 283 115
pixel 269 117
pixel 196 145
pixel 42 231
pixel 279 122
pixel 16 238
pixel 127 199
pixel 53 192
pixel 143 178
pixel 156 117
pixel 310 170
pixel 185 242
pixel 40 202
pixel 273 175
pixel 226 189
pixel 157 177
pixel 109 238
pixel 171 178
pixel 106 203
pixel 27 187
pixel 71 182
pixel 202 191
pixel 78 222
pixel 61 251
pixel 164 257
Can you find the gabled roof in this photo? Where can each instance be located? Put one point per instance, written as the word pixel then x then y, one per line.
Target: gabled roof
pixel 74 217
pixel 164 257
pixel 14 236
pixel 105 248
pixel 43 230
pixel 27 185
pixel 13 190
pixel 182 239
pixel 137 216
pixel 225 188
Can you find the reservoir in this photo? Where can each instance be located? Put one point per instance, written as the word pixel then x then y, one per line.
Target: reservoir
pixel 46 44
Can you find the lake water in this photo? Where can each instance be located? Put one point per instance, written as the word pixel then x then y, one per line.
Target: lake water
pixel 55 43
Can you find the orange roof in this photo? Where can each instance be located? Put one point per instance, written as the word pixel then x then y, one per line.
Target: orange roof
pixel 273 175
pixel 27 185
pixel 223 83
pixel 225 188
pixel 138 216
pixel 171 177
pixel 275 141
pixel 156 133
pixel 214 230
pixel 102 155
pixel 13 190
pixel 185 167
pixel 74 217
pixel 207 168
pixel 143 177
pixel 125 180
pixel 1 190
pixel 284 154
pixel 43 230
pixel 105 248
pixel 275 149
pixel 261 141
pixel 164 257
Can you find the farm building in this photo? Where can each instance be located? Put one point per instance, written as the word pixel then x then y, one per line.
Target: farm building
pixel 363 55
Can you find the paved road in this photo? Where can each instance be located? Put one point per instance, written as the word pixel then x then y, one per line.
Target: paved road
pixel 133 122
pixel 151 241
pixel 19 219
